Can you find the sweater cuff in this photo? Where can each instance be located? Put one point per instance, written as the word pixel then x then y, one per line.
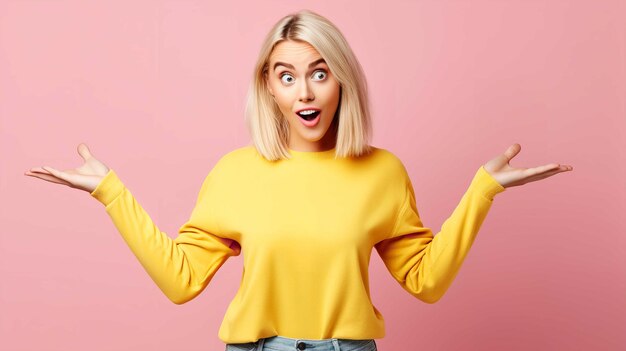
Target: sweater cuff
pixel 109 188
pixel 486 184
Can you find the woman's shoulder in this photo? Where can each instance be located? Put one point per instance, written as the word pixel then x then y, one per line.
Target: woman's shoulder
pixel 238 153
pixel 388 159
pixel 235 160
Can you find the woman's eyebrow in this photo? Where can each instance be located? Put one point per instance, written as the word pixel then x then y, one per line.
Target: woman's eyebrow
pixel 312 64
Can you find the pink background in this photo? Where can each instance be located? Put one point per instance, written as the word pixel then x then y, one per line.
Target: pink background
pixel 156 89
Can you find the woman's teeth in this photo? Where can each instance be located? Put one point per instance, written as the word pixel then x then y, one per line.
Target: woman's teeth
pixel 309 114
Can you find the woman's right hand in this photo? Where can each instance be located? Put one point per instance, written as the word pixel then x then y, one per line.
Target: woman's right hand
pixel 86 177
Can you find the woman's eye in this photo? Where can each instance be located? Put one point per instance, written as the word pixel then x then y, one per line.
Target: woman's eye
pixel 286 75
pixel 318 72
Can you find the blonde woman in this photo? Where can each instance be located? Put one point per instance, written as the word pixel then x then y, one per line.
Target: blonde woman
pixel 307 202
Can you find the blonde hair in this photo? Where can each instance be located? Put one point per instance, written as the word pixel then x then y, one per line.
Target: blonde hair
pixel 269 129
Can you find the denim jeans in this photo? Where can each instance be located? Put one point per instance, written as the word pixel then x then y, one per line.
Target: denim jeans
pixel 279 343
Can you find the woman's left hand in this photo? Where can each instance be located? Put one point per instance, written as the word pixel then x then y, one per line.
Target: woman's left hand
pixel 508 176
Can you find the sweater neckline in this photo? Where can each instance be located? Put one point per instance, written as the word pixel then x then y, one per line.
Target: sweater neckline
pixel 326 154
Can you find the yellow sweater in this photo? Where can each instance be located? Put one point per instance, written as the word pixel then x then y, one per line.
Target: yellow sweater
pixel 307 226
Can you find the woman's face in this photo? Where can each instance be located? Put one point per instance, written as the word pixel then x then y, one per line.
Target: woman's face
pixel 300 80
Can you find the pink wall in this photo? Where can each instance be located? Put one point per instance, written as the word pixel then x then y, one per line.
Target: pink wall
pixel 156 90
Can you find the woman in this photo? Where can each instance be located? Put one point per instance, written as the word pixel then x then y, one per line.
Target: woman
pixel 307 203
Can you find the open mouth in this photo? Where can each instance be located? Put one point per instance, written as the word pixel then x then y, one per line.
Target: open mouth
pixel 308 116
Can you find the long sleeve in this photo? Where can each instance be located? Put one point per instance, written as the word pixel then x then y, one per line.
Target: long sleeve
pixel 182 267
pixel 425 264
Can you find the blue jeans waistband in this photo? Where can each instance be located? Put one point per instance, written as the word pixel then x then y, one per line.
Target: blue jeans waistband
pixel 280 343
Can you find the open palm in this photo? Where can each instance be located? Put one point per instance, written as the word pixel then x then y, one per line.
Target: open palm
pixel 508 176
pixel 86 177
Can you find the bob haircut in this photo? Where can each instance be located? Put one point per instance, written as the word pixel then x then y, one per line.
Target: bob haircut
pixel 269 129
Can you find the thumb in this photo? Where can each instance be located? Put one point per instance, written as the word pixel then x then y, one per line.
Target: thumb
pixel 84 152
pixel 512 151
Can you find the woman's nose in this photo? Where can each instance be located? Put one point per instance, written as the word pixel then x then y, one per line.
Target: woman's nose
pixel 306 94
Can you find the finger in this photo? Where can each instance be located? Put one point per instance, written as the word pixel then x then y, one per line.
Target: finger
pixel 59 174
pixel 546 174
pixel 566 168
pixel 512 151
pixel 47 177
pixel 38 170
pixel 84 152
pixel 531 172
